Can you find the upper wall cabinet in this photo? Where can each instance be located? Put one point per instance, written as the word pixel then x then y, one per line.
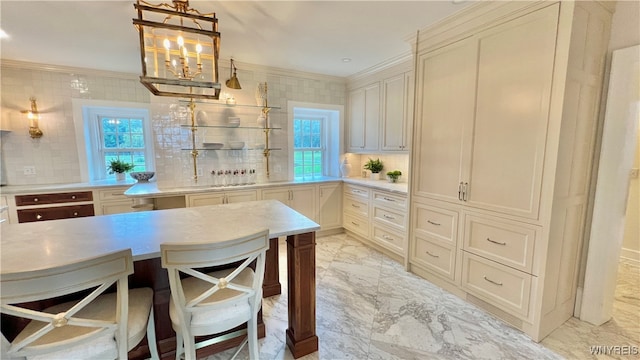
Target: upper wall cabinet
pixel 397 104
pixel 380 110
pixel 364 118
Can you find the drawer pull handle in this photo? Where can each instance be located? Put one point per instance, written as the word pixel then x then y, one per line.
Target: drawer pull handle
pixel 496 242
pixel 356 191
pixel 117 194
pixel 432 255
pixel 388 217
pixel 491 281
pixel 433 223
pixel 386 237
pixel 356 206
pixel 460 191
pixel 356 224
pixel 75 213
pixel 388 199
pixel 73 197
pixel 38 216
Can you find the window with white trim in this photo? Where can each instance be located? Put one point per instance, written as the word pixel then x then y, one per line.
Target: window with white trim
pixel 117 133
pixel 308 146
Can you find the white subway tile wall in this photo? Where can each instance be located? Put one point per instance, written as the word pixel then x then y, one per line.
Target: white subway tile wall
pixel 55 154
pixel 390 162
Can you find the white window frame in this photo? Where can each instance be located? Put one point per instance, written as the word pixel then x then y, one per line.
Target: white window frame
pixel 86 115
pixel 333 134
pixel 323 119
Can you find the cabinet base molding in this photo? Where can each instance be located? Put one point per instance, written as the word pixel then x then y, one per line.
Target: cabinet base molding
pixel 495 311
pixel 329 232
pixel 376 246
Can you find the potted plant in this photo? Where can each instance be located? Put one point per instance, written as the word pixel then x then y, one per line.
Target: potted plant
pixel 375 166
pixel 119 168
pixel 393 176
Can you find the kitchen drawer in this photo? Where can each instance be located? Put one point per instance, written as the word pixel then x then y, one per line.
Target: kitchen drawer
pixel 357 191
pixel 115 193
pixel 507 242
pixel 504 287
pixel 390 239
pixel 395 202
pixel 356 224
pixel 437 222
pixel 389 217
pixel 356 206
pixel 53 213
pixel 435 256
pixel 55 198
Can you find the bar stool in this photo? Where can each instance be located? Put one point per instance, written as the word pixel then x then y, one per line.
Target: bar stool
pixel 210 303
pixel 98 326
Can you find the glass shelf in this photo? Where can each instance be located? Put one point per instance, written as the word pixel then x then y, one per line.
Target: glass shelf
pixel 232 127
pixel 229 149
pixel 228 105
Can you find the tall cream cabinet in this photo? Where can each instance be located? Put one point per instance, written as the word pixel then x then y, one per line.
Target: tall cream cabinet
pixel 507 103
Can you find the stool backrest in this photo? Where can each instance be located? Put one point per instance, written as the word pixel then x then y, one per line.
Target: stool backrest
pixel 189 258
pixel 95 275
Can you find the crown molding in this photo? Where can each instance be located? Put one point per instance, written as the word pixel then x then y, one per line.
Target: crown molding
pixel 113 74
pixel 401 61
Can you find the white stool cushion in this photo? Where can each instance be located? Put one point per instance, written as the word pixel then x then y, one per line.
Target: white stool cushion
pixel 102 308
pixel 229 314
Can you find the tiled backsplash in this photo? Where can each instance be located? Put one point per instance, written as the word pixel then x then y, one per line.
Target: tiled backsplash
pixel 55 155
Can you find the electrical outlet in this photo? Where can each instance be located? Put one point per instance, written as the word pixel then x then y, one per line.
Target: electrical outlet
pixel 29 170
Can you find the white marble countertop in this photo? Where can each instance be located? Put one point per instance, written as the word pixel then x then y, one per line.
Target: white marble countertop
pixel 151 189
pixel 41 245
pixel 36 189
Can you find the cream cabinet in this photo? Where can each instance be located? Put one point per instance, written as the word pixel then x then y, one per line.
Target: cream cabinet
pixel 397 101
pixel 377 217
pixel 494 137
pixel 364 118
pixel 112 201
pixel 301 198
pixel 330 206
pixel 216 198
pixel 507 103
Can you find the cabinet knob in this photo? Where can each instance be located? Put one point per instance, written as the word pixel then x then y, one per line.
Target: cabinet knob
pixel 73 197
pixel 75 213
pixel 35 199
pixel 38 216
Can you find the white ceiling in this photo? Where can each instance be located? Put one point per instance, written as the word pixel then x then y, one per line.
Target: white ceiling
pixel 311 36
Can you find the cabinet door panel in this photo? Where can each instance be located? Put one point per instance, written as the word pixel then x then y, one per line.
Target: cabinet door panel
pixel 303 200
pixel 356 120
pixel 393 119
pixel 205 199
pixel 514 88
pixel 281 195
pixel 330 206
pixel 372 116
pixel 445 118
pixel 240 196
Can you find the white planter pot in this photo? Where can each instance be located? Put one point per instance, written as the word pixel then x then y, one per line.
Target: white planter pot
pixel 375 176
pixel 119 176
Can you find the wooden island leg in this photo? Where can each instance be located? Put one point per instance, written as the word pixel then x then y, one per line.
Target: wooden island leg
pixel 271 284
pixel 301 273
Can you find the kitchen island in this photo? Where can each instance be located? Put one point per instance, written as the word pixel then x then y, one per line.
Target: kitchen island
pixel 55 243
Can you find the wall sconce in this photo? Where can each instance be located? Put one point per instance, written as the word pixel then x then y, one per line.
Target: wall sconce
pixel 233 82
pixel 33 117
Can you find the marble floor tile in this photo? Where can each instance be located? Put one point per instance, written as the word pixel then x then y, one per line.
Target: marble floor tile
pixel 368 307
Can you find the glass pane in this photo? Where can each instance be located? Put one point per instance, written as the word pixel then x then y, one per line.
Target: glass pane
pixel 108 125
pixel 137 141
pixel 136 126
pixel 315 141
pixel 306 127
pixel 123 125
pixel 316 127
pixel 110 141
pixel 124 141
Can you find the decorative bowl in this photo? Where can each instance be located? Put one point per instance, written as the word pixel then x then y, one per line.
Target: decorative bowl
pixel 142 176
pixel 236 145
pixel 213 145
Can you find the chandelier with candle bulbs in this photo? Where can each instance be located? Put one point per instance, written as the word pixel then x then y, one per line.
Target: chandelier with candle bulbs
pixel 179 50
